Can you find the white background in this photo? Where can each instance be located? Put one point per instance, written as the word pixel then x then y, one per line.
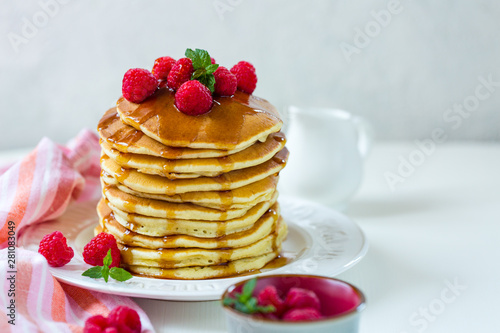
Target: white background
pixel 438 225
pixel 424 58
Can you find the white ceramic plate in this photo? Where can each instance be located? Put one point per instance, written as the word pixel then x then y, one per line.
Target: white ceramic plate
pixel 321 241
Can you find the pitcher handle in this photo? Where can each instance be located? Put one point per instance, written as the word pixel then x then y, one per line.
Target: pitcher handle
pixel 365 135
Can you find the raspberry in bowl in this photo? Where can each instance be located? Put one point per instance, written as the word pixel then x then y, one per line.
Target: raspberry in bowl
pixel 293 303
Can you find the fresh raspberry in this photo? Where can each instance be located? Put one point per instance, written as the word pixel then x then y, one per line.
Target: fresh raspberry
pixel 113 329
pixel 119 328
pixel 127 317
pixel 120 320
pixel 298 298
pixel 193 98
pixel 95 250
pixel 302 314
pixel 138 84
pixel 162 67
pixel 181 72
pixel 95 324
pixel 54 248
pixel 212 60
pixel 245 74
pixel 269 296
pixel 225 82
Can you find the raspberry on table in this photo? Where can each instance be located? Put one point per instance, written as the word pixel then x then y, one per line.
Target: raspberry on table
pixel 121 319
pixel 54 248
pixel 193 98
pixel 269 296
pixel 95 324
pixel 127 316
pixel 138 84
pixel 302 314
pixel 181 72
pixel 95 250
pixel 225 82
pixel 212 60
pixel 162 67
pixel 302 298
pixel 245 74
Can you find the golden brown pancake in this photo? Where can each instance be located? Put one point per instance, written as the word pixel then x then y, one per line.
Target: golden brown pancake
pixel 169 210
pixel 232 123
pixel 181 257
pixel 159 227
pixel 263 227
pixel 205 272
pixel 127 139
pixel 256 154
pixel 241 197
pixel 227 181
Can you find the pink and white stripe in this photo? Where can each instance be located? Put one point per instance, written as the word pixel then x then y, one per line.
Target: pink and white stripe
pixel 44 304
pixel 38 188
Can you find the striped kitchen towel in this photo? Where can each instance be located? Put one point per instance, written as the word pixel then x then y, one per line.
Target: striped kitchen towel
pixel 43 304
pixel 38 188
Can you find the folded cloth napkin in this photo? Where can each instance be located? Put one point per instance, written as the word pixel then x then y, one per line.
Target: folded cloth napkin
pixel 38 188
pixel 43 304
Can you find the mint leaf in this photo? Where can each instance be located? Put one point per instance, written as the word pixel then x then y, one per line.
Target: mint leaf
pixel 204 57
pixel 252 304
pixel 189 53
pixel 198 73
pixel 248 290
pixel 105 273
pixel 211 68
pixel 245 302
pixel 119 274
pixel 265 309
pixel 241 307
pixel 203 67
pixel 229 301
pixel 198 57
pixel 208 81
pixel 107 259
pixel 94 272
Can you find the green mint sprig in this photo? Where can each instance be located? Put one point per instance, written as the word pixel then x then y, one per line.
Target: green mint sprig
pixel 245 302
pixel 203 67
pixel 105 272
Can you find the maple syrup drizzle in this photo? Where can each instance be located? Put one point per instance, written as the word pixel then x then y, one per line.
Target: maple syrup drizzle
pixel 224 125
pixel 124 136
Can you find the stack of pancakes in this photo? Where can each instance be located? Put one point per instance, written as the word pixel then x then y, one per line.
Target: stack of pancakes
pixel 192 197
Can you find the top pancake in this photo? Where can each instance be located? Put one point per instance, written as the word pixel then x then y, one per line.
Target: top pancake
pixel 127 139
pixel 234 122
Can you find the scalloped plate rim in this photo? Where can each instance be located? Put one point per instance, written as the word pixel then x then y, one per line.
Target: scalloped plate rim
pixel 212 289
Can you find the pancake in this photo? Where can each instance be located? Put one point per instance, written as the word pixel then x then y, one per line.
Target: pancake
pixel 241 197
pixel 127 139
pixel 158 227
pixel 211 167
pixel 205 272
pixel 170 210
pixel 192 196
pixel 174 258
pixel 263 227
pixel 232 123
pixel 227 181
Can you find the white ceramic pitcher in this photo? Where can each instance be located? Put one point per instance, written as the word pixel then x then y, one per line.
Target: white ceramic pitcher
pixel 327 148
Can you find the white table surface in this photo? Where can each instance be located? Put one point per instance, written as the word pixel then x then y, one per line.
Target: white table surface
pixel 440 227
